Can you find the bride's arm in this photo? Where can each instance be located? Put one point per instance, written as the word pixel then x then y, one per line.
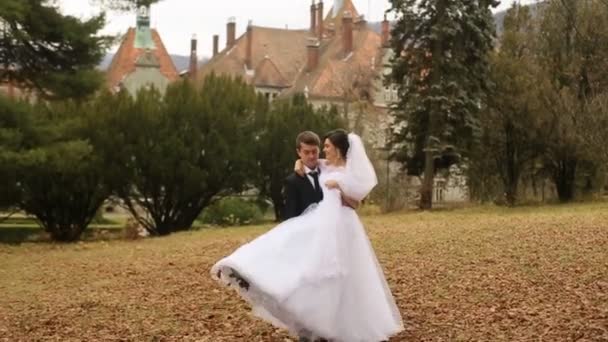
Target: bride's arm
pixel 347 201
pixel 299 166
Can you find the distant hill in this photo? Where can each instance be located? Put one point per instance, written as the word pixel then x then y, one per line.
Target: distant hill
pixel 499 18
pixel 376 26
pixel 105 62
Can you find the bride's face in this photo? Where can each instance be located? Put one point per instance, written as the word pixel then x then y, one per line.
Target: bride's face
pixel 331 152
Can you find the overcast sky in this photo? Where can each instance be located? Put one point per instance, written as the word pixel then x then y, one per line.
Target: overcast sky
pixel 178 20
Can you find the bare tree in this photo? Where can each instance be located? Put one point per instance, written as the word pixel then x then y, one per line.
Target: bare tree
pixel 355 87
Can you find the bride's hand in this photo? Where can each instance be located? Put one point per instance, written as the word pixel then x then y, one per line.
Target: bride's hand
pixel 299 168
pixel 332 184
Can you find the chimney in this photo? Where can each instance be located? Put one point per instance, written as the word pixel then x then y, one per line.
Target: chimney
pixel 320 19
pixel 249 56
pixel 313 54
pixel 193 58
pixel 230 32
pixel 313 17
pixel 347 33
pixel 386 32
pixel 361 22
pixel 216 45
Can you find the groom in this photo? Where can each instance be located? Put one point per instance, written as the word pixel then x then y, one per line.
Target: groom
pixel 303 190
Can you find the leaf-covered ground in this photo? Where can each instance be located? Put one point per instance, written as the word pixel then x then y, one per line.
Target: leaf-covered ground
pixel 482 274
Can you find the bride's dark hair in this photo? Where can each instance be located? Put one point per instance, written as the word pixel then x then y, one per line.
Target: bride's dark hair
pixel 339 138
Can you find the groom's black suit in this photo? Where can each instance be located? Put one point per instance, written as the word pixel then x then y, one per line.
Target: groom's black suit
pixel 299 194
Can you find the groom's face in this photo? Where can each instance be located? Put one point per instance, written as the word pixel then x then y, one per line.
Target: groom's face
pixel 309 154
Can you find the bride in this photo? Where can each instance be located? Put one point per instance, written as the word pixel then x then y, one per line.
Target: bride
pixel 316 275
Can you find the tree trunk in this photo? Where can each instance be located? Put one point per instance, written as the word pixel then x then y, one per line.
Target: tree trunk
pixel 279 208
pixel 512 172
pixel 65 221
pixel 564 178
pixel 543 190
pixel 511 192
pixel 184 224
pixel 278 202
pixel 163 223
pixel 426 192
pixel 64 233
pixel 187 218
pixel 162 229
pixel 171 225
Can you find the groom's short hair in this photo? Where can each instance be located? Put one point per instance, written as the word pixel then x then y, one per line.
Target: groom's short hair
pixel 307 138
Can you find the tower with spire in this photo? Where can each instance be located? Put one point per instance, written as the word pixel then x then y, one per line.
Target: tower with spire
pixel 141 59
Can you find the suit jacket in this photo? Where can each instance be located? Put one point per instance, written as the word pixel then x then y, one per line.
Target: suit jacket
pixel 299 194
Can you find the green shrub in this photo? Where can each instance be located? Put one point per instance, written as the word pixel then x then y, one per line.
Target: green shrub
pixel 232 211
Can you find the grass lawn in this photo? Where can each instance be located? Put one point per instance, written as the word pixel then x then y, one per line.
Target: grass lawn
pixel 25 229
pixel 477 274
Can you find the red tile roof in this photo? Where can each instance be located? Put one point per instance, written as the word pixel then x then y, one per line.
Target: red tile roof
pixel 285 48
pixel 268 75
pixel 337 72
pixel 127 55
pixel 280 55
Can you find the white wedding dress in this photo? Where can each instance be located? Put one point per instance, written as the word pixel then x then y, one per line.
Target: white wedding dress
pixel 317 275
